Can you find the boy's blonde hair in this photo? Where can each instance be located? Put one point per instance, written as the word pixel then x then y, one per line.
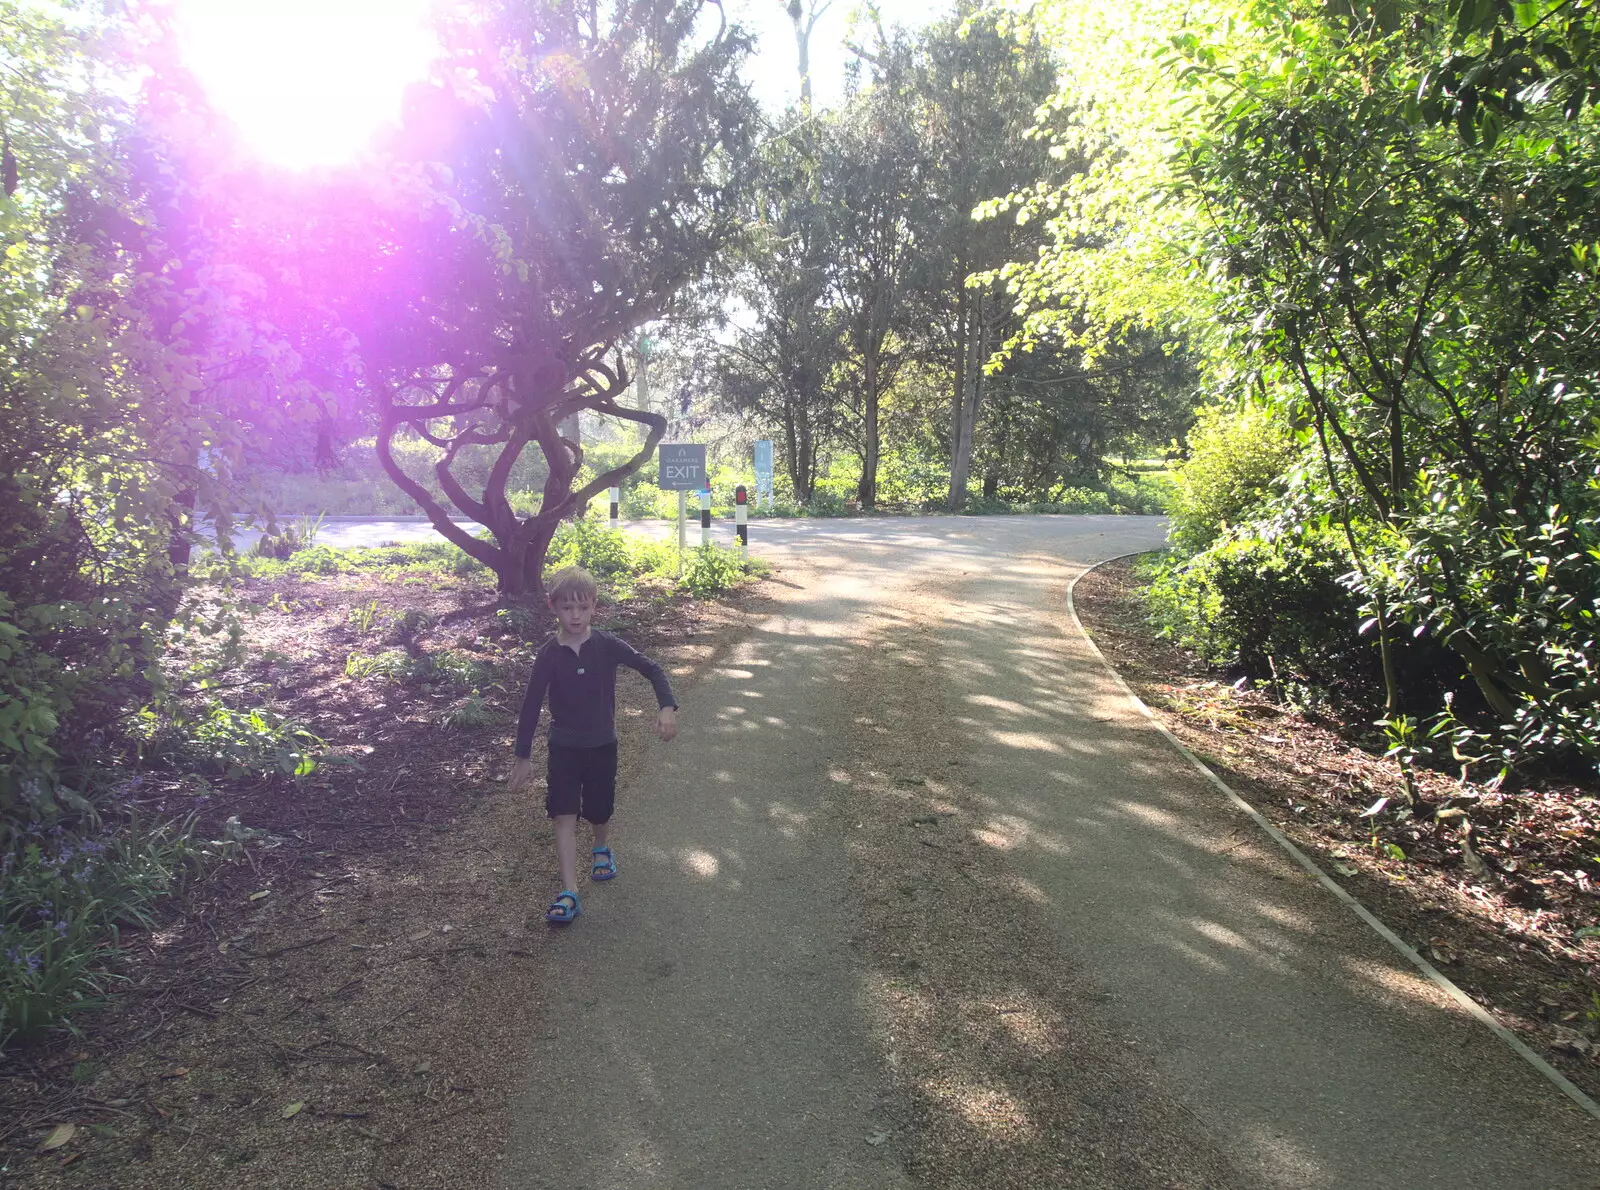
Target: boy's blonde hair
pixel 574 582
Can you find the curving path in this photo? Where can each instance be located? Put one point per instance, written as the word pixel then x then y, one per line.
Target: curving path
pixel 715 1024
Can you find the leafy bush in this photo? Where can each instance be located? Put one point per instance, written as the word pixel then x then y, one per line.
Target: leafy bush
pixel 1138 494
pixel 395 665
pixel 1517 601
pixel 459 669
pixel 367 618
pixel 318 559
pixel 1237 460
pixel 471 711
pixel 711 570
pixel 232 742
pixel 1272 608
pixel 1075 500
pixel 432 557
pixel 298 536
pixel 825 502
pixel 63 899
pixel 591 544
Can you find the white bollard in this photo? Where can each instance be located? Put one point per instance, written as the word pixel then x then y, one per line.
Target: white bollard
pixel 616 499
pixel 741 520
pixel 705 516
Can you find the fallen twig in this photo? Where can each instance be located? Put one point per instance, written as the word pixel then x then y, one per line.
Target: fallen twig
pixel 272 954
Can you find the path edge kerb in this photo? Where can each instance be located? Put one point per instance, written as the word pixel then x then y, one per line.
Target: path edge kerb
pixel 1472 1007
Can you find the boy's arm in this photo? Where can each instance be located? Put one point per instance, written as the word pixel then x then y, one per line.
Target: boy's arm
pixel 532 701
pixel 626 654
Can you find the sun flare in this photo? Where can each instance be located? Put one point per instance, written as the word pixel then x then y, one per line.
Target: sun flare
pixel 307 82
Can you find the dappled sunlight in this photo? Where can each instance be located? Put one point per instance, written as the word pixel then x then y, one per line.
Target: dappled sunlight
pixel 1405 983
pixel 1036 1030
pixel 1223 936
pixel 700 863
pixel 1027 890
pixel 896 1007
pixel 995 1115
pixel 1285 1162
pixel 1195 955
pixel 1002 704
pixel 1031 741
pixel 1004 833
pixel 1151 816
pixel 790 822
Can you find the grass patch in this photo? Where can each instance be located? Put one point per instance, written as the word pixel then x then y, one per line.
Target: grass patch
pixel 65 896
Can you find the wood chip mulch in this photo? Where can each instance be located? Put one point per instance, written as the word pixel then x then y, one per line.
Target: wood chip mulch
pixel 345 999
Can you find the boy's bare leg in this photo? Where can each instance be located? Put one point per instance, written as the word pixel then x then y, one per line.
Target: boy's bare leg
pixel 567 849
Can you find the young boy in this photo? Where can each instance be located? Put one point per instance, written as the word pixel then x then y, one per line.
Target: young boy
pixel 578 668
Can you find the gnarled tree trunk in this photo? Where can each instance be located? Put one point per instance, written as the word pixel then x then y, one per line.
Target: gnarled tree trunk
pixel 517 553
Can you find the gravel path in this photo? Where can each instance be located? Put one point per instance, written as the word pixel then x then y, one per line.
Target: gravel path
pixel 918 899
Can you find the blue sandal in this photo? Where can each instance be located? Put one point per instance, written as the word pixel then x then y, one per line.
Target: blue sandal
pixel 604 869
pixel 560 913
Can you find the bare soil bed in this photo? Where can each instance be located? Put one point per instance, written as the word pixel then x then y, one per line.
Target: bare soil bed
pixel 1501 916
pixel 348 1001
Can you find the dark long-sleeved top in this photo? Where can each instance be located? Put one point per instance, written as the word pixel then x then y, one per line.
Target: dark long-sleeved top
pixel 582 687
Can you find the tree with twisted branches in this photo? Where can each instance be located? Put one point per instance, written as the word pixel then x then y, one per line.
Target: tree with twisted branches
pixel 582 165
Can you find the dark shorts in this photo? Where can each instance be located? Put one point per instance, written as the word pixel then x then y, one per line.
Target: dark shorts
pixel 582 781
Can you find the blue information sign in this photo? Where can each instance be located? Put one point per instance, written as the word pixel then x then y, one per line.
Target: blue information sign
pixel 764 458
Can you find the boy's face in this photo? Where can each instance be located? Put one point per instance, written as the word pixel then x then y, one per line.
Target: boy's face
pixel 574 612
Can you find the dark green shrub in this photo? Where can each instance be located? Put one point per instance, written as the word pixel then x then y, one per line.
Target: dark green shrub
pixel 63 898
pixel 1264 605
pixel 826 503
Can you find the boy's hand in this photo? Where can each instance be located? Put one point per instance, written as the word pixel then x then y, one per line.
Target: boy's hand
pixel 521 775
pixel 667 723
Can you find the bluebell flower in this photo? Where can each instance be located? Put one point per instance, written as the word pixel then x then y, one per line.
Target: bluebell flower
pixel 61 929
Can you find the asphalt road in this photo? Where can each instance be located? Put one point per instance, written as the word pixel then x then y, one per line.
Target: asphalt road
pixel 711 1023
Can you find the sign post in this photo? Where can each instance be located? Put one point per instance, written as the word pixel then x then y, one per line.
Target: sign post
pixel 741 520
pixel 681 468
pixel 763 462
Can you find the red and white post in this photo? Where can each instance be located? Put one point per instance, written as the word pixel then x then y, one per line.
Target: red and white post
pixel 741 520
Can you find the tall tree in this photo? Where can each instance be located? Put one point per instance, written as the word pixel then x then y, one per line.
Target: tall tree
pixel 131 370
pixel 982 87
pixel 783 360
pixel 1392 209
pixel 804 17
pixel 593 168
pixel 874 173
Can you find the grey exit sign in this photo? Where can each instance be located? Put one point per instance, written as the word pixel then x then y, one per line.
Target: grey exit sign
pixel 681 466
